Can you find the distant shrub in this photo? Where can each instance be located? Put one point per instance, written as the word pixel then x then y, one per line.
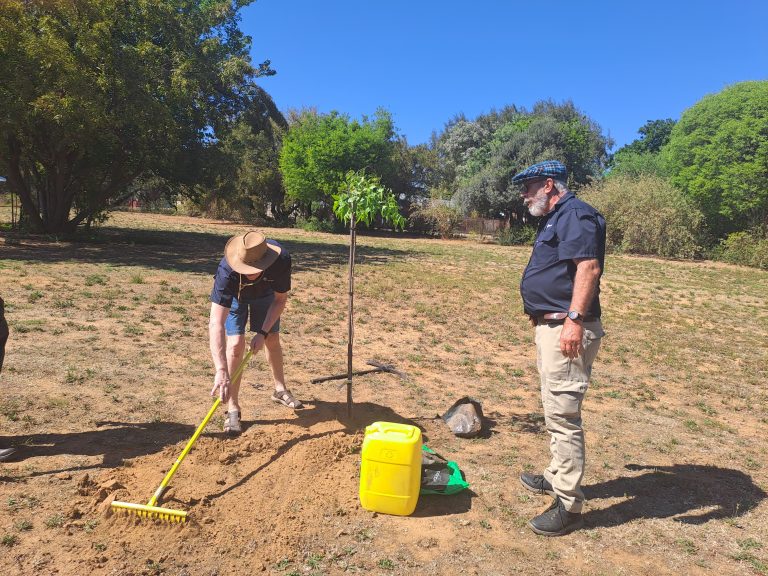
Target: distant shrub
pixel 647 215
pixel 516 235
pixel 443 218
pixel 746 248
pixel 314 224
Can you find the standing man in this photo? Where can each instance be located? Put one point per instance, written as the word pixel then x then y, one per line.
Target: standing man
pixel 560 289
pixel 5 453
pixel 252 280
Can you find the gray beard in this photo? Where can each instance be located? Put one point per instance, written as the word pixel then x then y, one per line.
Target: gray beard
pixel 538 205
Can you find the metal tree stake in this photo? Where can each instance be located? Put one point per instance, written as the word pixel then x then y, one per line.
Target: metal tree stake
pixel 351 328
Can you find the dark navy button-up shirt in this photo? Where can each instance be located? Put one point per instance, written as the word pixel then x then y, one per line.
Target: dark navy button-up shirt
pixel 228 284
pixel 573 229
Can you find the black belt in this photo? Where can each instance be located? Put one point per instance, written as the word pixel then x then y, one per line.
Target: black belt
pixel 558 318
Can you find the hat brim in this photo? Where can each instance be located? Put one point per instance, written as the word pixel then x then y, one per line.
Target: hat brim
pixel 254 267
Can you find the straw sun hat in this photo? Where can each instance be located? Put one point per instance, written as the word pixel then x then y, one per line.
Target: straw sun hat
pixel 249 253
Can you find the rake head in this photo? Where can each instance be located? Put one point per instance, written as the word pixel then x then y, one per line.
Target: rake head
pixel 147 511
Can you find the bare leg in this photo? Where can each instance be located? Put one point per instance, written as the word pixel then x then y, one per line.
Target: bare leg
pixel 274 353
pixel 235 349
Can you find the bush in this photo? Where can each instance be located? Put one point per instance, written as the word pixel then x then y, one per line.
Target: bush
pixel 314 224
pixel 516 235
pixel 647 215
pixel 746 248
pixel 443 218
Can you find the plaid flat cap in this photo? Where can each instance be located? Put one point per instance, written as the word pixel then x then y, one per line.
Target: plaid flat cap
pixel 546 169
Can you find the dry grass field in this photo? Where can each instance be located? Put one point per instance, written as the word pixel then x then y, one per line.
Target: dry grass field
pixel 108 371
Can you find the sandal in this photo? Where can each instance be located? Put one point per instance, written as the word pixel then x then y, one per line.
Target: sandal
pixel 232 423
pixel 285 398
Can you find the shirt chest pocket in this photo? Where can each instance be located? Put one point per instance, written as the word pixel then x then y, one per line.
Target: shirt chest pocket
pixel 545 248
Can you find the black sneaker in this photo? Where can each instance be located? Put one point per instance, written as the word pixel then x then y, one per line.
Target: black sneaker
pixel 536 483
pixel 556 520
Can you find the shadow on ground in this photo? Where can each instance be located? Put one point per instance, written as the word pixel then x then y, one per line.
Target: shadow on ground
pixel 182 251
pixel 692 494
pixel 115 442
pixel 315 412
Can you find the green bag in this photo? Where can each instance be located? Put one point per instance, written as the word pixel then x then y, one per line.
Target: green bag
pixel 440 476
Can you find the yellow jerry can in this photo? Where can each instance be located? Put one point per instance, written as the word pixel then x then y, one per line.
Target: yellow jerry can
pixel 390 473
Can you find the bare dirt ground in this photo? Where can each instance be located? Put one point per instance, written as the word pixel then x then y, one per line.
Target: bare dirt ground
pixel 107 374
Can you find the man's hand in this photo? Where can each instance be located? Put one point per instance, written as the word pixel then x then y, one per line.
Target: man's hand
pixel 221 383
pixel 257 343
pixel 571 339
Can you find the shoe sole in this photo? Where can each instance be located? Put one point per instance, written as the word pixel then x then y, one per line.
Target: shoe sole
pixel 571 528
pixel 536 490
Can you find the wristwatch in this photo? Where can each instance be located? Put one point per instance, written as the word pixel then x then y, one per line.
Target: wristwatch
pixel 574 315
pixel 262 332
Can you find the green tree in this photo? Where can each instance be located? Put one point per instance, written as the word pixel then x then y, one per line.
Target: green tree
pixel 718 155
pixel 641 156
pixel 95 94
pixel 319 150
pixel 246 182
pixel 486 154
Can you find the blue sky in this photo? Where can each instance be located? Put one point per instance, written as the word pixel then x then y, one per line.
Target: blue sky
pixel 621 63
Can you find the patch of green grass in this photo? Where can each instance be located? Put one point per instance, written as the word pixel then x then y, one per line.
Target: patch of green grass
pixel 9 540
pixel 95 279
pixel 63 303
pixel 313 560
pixel 687 546
pixel 34 296
pixel 386 564
pixel 16 503
pixel 137 279
pixel 759 566
pixel 132 330
pixel 282 564
pixel 55 521
pixel 749 544
pixel 23 525
pixel 10 409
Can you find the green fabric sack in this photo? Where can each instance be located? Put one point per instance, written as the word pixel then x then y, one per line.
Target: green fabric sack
pixel 440 476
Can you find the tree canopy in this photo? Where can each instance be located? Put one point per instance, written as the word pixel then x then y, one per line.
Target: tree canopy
pixel 479 158
pixel 319 150
pixel 718 155
pixel 96 93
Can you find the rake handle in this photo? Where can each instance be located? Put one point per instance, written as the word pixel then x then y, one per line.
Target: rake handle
pixel 159 492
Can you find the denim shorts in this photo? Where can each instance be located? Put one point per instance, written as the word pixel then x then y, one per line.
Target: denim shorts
pixel 256 309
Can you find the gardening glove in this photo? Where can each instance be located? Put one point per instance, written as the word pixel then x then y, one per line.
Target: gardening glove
pixel 221 383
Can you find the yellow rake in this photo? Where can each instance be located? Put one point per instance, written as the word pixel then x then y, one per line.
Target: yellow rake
pixel 150 510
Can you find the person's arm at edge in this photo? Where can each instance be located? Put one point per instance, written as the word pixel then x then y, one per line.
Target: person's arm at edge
pixel 584 288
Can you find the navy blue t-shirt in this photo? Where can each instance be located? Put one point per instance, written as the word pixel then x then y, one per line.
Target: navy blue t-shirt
pixel 227 283
pixel 572 230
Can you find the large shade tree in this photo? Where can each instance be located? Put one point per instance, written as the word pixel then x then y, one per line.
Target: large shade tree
pixel 718 155
pixel 95 94
pixel 486 153
pixel 320 149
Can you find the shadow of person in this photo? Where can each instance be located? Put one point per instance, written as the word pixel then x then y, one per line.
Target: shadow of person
pixel 691 493
pixel 319 411
pixel 115 443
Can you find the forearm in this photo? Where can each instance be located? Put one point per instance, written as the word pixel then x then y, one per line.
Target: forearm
pixel 274 311
pixel 217 339
pixel 585 285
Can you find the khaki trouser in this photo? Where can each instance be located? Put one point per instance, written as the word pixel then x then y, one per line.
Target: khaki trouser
pixel 563 385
